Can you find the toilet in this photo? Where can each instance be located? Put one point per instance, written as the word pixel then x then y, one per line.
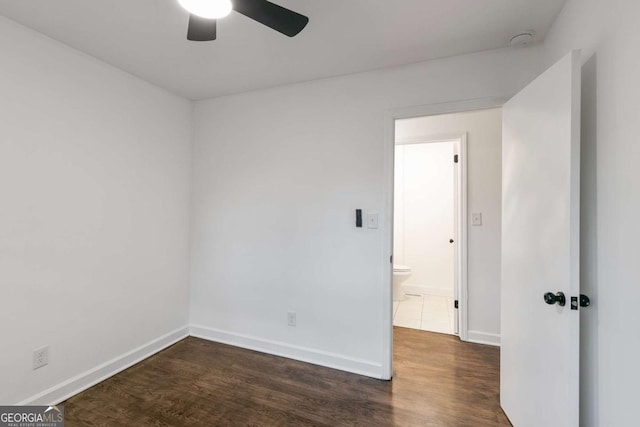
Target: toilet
pixel 400 275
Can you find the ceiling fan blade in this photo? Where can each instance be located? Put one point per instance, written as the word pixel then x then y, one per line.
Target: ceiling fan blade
pixel 273 16
pixel 201 29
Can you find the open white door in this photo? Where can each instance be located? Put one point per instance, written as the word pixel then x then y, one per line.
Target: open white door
pixel 539 367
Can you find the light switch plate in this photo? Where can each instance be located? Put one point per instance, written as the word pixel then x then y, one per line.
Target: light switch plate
pixel 372 220
pixel 476 219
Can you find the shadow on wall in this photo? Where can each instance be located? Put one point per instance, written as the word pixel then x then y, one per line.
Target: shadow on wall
pixel 589 360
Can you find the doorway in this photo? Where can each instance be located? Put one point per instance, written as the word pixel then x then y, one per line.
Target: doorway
pixel 427 211
pixel 473 129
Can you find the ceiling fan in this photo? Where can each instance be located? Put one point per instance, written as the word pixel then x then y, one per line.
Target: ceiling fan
pixel 204 13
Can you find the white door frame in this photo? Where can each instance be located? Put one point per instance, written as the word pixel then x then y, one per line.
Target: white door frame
pixel 459 141
pixel 390 118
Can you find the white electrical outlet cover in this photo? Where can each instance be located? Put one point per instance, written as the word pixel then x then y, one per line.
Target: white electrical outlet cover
pixel 291 318
pixel 40 357
pixel 476 219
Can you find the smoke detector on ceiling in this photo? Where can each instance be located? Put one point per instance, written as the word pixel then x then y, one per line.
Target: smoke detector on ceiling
pixel 522 39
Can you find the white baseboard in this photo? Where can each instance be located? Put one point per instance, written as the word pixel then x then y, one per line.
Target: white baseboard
pixel 427 290
pixel 303 354
pixel 483 338
pixel 83 381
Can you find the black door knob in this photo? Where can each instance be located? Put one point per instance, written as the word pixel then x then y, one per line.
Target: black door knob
pixel 450 240
pixel 558 298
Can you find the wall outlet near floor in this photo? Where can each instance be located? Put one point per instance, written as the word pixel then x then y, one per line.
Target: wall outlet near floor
pixel 476 219
pixel 291 318
pixel 40 357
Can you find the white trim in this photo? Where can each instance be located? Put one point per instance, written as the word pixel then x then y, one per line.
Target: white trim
pixel 71 387
pixel 463 247
pixel 387 246
pixel 423 139
pixel 483 338
pixel 390 118
pixel 446 108
pixel 276 348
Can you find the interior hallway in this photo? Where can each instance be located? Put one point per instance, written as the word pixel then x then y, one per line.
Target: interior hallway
pixel 438 381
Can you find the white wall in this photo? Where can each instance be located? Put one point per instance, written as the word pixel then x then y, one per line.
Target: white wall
pixel 424 215
pixel 608 33
pixel 94 178
pixel 278 174
pixel 484 190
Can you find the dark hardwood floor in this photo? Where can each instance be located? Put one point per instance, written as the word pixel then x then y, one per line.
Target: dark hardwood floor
pixel 438 381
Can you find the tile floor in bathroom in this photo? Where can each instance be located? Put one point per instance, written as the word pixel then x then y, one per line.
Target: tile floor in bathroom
pixel 425 312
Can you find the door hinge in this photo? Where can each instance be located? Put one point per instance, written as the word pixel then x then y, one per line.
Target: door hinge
pixel 455 304
pixel 391 259
pixel 455 158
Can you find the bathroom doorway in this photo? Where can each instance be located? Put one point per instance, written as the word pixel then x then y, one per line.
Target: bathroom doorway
pixel 428 204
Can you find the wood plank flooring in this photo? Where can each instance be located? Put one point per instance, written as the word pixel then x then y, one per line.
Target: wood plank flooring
pixel 438 381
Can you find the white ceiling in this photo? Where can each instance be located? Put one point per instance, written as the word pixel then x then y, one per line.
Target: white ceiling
pixel 148 37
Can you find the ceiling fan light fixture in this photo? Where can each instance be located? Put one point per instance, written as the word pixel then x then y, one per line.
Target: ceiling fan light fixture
pixel 209 9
